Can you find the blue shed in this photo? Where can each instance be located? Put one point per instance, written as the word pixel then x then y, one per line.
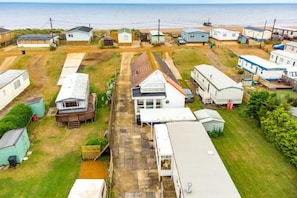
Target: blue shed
pixel 14 143
pixel 37 106
pixel 195 35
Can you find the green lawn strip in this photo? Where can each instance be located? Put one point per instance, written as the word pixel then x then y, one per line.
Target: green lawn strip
pixel 256 167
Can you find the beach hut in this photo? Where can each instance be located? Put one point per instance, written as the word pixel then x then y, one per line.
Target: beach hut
pixel 210 119
pixel 282 57
pixel 156 37
pixel 222 34
pixel 258 34
pixel 37 106
pixel 195 35
pixel 37 40
pixel 88 188
pixel 262 68
pixel 215 86
pixel 108 41
pixel 14 145
pixel 125 36
pixel 197 169
pixel 285 32
pixel 12 83
pixel 6 36
pixel 291 47
pixel 74 94
pixel 80 34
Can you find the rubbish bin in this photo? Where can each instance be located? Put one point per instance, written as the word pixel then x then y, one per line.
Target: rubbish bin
pixel 12 161
pixel 23 52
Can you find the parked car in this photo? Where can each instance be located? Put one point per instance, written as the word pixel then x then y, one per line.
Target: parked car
pixel 181 41
pixel 189 96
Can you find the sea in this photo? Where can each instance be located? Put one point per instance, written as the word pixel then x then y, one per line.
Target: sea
pixel 144 16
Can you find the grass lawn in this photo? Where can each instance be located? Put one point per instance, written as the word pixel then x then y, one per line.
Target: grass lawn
pixel 256 167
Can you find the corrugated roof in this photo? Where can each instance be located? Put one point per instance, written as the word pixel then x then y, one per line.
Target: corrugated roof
pixel 36 37
pixel 207 115
pixel 74 87
pixel 198 162
pixel 193 30
pixel 216 77
pixel 81 28
pixel 3 30
pixel 10 138
pixel 9 76
pixel 262 63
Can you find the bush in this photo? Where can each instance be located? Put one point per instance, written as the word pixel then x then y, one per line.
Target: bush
pixel 214 133
pixel 97 141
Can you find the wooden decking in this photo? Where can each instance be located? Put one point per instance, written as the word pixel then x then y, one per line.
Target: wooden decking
pixel 73 120
pixel 274 85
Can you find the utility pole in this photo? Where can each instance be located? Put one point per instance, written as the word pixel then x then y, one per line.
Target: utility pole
pixel 51 24
pixel 263 34
pixel 274 21
pixel 159 32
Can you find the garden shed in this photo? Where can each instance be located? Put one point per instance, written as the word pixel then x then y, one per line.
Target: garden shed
pixel 14 143
pixel 37 106
pixel 156 37
pixel 108 41
pixel 12 83
pixel 125 36
pixel 210 119
pixel 194 35
pixel 88 188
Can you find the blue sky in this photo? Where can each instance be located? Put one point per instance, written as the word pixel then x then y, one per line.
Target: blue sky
pixel 154 1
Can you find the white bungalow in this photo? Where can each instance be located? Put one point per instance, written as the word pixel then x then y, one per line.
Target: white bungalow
pixel 125 36
pixel 257 34
pixel 282 57
pixel 88 188
pixel 156 37
pixel 12 83
pixel 154 86
pixel 74 94
pixel 291 47
pixel 79 34
pixel 197 169
pixel 286 33
pixel 221 34
pixel 210 119
pixel 265 69
pixel 37 40
pixel 215 86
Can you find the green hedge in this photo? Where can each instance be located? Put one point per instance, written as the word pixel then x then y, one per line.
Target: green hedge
pixel 18 117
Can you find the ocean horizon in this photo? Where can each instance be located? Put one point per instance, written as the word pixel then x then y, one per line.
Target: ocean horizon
pixel 144 16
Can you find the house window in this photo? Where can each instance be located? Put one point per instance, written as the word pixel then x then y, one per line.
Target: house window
pixel 140 104
pixel 288 62
pixel 17 84
pixel 70 104
pixel 4 92
pixel 281 60
pixel 233 35
pixel 192 35
pixel 150 104
pixel 25 76
pixel 126 38
pixel 158 103
pixel 224 35
pixel 165 162
pixel 70 35
pixel 202 35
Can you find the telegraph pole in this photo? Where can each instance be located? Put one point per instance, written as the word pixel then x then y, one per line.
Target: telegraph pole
pixel 274 21
pixel 263 34
pixel 51 24
pixel 159 32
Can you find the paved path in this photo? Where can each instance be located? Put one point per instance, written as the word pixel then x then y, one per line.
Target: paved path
pixel 6 63
pixel 135 173
pixel 172 67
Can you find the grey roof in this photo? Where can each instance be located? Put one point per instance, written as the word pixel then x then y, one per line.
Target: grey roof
pixel 284 53
pixel 216 77
pixel 125 30
pixel 262 63
pixel 255 29
pixel 206 115
pixel 36 37
pixel 81 28
pixel 3 30
pixel 193 30
pixel 198 162
pixel 74 87
pixel 292 43
pixel 9 76
pixel 10 138
pixel 156 33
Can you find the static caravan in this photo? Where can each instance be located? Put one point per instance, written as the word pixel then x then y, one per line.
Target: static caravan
pixel 265 69
pixel 74 94
pixel 14 143
pixel 215 86
pixel 282 57
pixel 6 37
pixel 197 169
pixel 12 83
pixel 81 34
pixel 257 34
pixel 195 35
pixel 221 34
pixel 163 150
pixel 88 188
pixel 125 36
pixel 37 40
pixel 210 119
pixel 156 37
pixel 286 33
pixel 291 47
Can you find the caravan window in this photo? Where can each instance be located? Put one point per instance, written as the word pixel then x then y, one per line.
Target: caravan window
pixel 17 84
pixel 70 104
